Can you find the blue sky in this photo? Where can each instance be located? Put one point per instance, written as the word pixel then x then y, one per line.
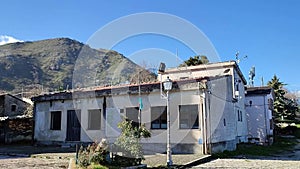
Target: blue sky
pixel 266 31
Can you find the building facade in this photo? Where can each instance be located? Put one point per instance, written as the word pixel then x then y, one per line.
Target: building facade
pixel 12 106
pixel 203 113
pixel 259 108
pixel 15 126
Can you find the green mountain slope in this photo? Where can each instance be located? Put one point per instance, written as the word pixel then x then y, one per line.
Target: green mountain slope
pixel 58 63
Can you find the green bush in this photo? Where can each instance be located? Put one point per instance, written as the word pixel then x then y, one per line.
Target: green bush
pixel 129 140
pixel 95 153
pixel 129 143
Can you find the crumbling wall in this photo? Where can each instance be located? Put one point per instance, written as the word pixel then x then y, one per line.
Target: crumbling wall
pixel 16 130
pixel 19 106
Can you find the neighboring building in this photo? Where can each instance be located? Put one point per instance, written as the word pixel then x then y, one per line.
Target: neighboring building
pixel 207 112
pixel 238 82
pixel 259 108
pixel 15 126
pixel 11 106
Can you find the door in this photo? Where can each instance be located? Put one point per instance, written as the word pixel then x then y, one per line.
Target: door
pixel 73 125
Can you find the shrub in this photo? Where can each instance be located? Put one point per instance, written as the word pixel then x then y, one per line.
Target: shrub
pixel 129 143
pixel 96 153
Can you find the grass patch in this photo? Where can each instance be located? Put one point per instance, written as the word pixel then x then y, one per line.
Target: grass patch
pixel 281 145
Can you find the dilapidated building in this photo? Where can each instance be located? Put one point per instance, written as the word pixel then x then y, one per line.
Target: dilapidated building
pixel 15 125
pixel 204 111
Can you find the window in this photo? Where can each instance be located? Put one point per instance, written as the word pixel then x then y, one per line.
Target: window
pixel 13 107
pixel 159 117
pixel 224 122
pixel 240 115
pixel 189 116
pixel 94 119
pixel 132 114
pixel 55 120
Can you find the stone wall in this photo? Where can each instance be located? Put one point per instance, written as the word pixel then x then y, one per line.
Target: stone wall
pixel 19 106
pixel 16 130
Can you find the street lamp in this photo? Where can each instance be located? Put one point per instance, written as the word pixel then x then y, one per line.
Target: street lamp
pixel 167 87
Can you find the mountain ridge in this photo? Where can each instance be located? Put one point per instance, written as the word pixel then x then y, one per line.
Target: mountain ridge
pixel 61 63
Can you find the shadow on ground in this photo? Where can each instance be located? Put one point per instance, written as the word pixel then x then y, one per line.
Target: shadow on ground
pixel 26 150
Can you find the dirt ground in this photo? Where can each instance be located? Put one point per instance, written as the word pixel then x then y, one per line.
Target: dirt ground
pixel 28 157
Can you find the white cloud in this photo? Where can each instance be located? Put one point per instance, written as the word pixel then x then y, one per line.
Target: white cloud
pixel 4 39
pixel 297 94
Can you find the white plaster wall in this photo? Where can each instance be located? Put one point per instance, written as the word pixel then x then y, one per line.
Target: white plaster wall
pixel 241 126
pixel 258 122
pixel 154 99
pixel 188 74
pixel 220 107
pixel 89 104
pixel 43 118
pixel 43 109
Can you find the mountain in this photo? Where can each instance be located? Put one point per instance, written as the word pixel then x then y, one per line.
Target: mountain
pixel 59 63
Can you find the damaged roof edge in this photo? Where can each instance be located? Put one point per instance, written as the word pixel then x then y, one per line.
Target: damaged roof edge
pixel 113 90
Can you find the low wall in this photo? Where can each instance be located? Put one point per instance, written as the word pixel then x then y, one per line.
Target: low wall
pixel 16 130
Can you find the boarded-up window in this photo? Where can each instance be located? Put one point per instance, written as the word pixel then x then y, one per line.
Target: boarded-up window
pixel 132 114
pixel 94 119
pixel 55 120
pixel 159 117
pixel 189 116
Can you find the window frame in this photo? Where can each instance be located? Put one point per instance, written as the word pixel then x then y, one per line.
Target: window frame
pixel 135 121
pixel 159 118
pixel 54 120
pixel 190 123
pixel 90 121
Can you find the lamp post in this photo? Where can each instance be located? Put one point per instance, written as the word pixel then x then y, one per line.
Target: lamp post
pixel 167 87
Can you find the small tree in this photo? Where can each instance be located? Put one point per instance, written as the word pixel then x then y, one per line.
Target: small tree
pixel 196 60
pixel 129 140
pixel 284 107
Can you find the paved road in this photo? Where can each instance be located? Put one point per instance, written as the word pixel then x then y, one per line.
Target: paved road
pixel 290 160
pixel 247 164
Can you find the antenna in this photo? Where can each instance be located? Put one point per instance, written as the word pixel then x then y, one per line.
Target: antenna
pixel 238 60
pixel 262 81
pixel 251 76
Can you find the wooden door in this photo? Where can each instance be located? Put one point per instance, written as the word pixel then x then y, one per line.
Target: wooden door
pixel 73 125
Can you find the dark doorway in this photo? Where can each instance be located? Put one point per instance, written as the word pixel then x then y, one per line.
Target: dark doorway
pixel 73 125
